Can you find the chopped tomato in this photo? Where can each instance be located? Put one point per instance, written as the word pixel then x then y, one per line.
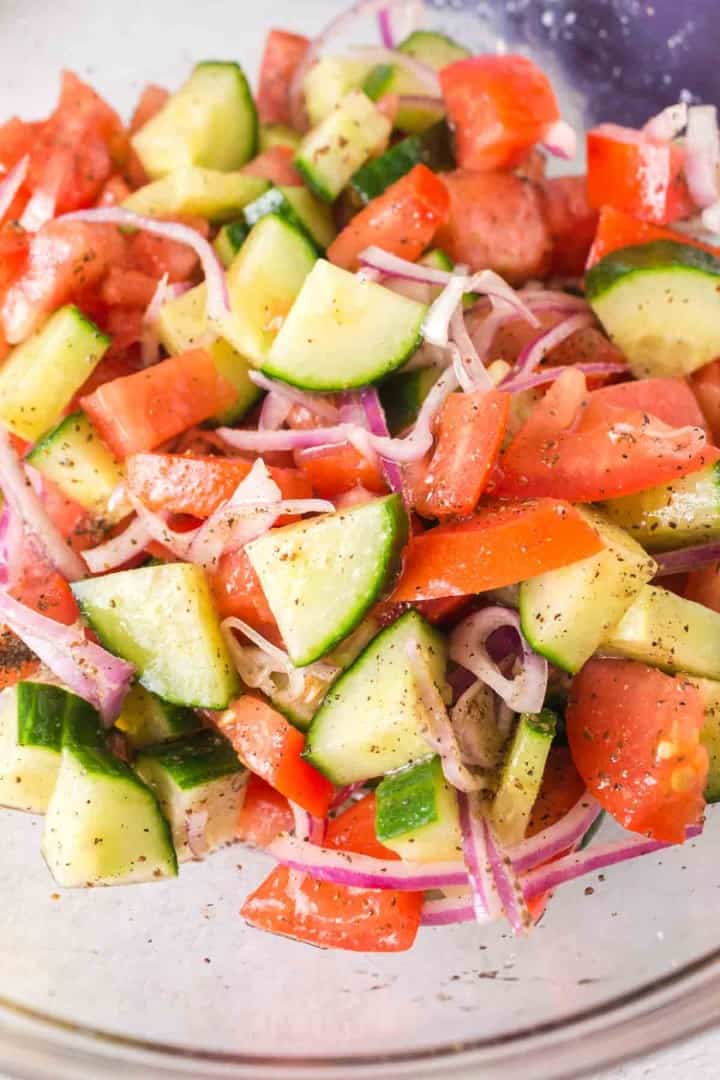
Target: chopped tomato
pixel 275 164
pixel 237 592
pixel 572 223
pixel 703 586
pixel 127 288
pixel 115 191
pixel 706 387
pixel 141 411
pixel 403 220
pixel 581 447
pixel 150 102
pixel 671 400
pixel 636 174
pixel 16 660
pixel 114 365
pixel 14 245
pixel 470 429
pixel 354 830
pixel 499 107
pixel 16 140
pixel 333 470
pixel 500 545
pixel 155 255
pixel 197 485
pixel 634 735
pixel 561 788
pixel 496 222
pixel 272 748
pixel 617 229
pixel 447 609
pixel 281 56
pixel 42 588
pixel 264 814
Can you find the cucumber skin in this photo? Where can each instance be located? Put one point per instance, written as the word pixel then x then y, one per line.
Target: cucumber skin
pixel 639 258
pixel 40 715
pixel 274 202
pixel 406 800
pixel 198 758
pixel 432 148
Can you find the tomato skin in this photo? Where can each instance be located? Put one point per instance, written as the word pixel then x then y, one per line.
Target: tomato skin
pixel 633 173
pixel 333 470
pixel 275 164
pixel 616 229
pixel 265 814
pixel 237 592
pixel 634 734
pixel 670 400
pixel 354 830
pixel 151 100
pixel 499 107
pixel 402 221
pixel 496 222
pixel 572 223
pixel 706 387
pixel 281 56
pixel 571 447
pixel 561 788
pixel 703 586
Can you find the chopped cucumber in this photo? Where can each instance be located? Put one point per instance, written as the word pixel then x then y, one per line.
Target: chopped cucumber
pixel 674 515
pixel 209 193
pixel 521 775
pixel 77 460
pixel 300 208
pixel 41 376
pixel 182 324
pixel 263 280
pixel 567 613
pixel 343 332
pixel 199 776
pixel 230 239
pixel 145 719
pixel 416 813
pixel 272 135
pixel 162 619
pixel 333 151
pixel 329 81
pixel 415 111
pixel 30 740
pixel 403 394
pixel 710 694
pixel 378 81
pixel 373 719
pixel 669 632
pixel 211 121
pixel 433 49
pixel 433 148
pixel 660 303
pixel 321 576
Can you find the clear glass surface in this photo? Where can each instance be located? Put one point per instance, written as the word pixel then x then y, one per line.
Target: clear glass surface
pixel 166 980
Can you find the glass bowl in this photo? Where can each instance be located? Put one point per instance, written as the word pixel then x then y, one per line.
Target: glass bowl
pixel 165 980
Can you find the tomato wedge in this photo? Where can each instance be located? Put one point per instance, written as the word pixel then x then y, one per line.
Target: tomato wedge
pixel 403 220
pixel 275 164
pixel 706 387
pixel 500 545
pixel 333 470
pixel 237 592
pixel 572 223
pixel 16 660
pixel 580 447
pixel 151 100
pixel 470 430
pixel 281 56
pixel 703 586
pixel 636 174
pixel 561 788
pixel 617 229
pixel 264 814
pixel 671 400
pixel 634 734
pixel 271 748
pixel 499 107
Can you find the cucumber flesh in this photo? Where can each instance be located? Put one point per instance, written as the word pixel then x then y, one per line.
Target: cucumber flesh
pixel 433 49
pixel 660 303
pixel 321 576
pixel 272 135
pixel 521 775
pixel 329 81
pixel 402 396
pixel 230 239
pixel 343 332
pixel 373 720
pixel 674 515
pixel 416 814
pixel 300 208
pixel 145 719
pixel 433 148
pixel 162 619
pixel 41 376
pixel 209 193
pixel 29 750
pixel 710 694
pixel 567 613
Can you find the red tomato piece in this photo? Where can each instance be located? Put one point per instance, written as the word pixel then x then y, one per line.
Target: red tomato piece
pixel 264 814
pixel 281 56
pixel 43 589
pixel 572 223
pixel 150 102
pixel 141 411
pixel 577 446
pixel 354 830
pixel 617 229
pixel 115 191
pixel 16 139
pixel 16 660
pixel 237 592
pixel 500 545
pixel 634 735
pixel 703 586
pixel 499 107
pixel 14 246
pixel 561 788
pixel 127 288
pixel 633 173
pixel 272 748
pixel 496 222
pixel 470 429
pixel 333 470
pixel 403 220
pixel 706 387
pixel 275 164
pixel 671 400
pixel 155 256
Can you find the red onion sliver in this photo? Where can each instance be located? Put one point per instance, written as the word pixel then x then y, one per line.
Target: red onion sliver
pixel 524 693
pixel 149 341
pixel 119 549
pixel 385 28
pixel 157 528
pixel 685 560
pixel 344 794
pixel 450 910
pixel 307 827
pixel 377 424
pixel 550 374
pixel 436 326
pixel 12 539
pixel 560 139
pixel 668 123
pixel 533 354
pixel 274 412
pixel 485 900
pixel 11 184
pixel 470 362
pixel 375 258
pixel 507 886
pixel 315 403
pixel 557 838
pixel 250 511
pixel 702 154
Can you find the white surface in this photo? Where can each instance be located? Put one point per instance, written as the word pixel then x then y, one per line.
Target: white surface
pixel 695 1060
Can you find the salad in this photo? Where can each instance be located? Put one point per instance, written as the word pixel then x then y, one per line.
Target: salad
pixel 361 500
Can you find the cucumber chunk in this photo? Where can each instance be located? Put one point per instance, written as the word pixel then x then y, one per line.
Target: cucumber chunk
pixel 77 460
pixel 373 719
pixel 162 619
pixel 263 281
pixel 329 81
pixel 521 775
pixel 660 303
pixel 710 694
pixel 674 515
pixel 415 111
pixel 211 121
pixel 402 396
pixel 321 576
pixel 335 149
pixel 182 324
pixel 199 775
pixel 433 148
pixel 145 719
pixel 433 49
pixel 230 239
pixel 669 632
pixel 343 332
pixel 300 208
pixel 416 813
pixel 30 740
pixel 41 376
pixel 567 613
pixel 209 193
pixel 272 135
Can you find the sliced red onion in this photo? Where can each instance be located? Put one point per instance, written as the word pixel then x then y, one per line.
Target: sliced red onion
pixel 468 646
pixel 84 667
pixel 375 258
pixel 318 404
pixel 195 826
pixel 11 184
pixel 710 219
pixel 471 361
pixel 420 101
pixel 149 340
pixel 39 210
pixel 557 838
pixel 12 539
pixel 533 354
pixel 448 910
pixel 414 446
pixel 218 299
pixel 550 374
pixel 274 412
pixel 385 28
pixel 553 300
pixel 485 900
pixel 351 410
pixel 345 794
pixel 157 528
pixel 417 70
pixel 19 493
pixel 476 724
pixel 307 827
pixel 507 885
pixel 436 327
pixel 560 140
pixel 685 560
pixel 119 549
pixel 702 154
pixel 259 662
pixel 377 424
pixel 596 857
pixel 667 124
pixel 251 510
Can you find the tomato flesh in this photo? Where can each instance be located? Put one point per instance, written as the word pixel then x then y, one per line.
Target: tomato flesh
pixel 333 470
pixel 264 814
pixel 636 174
pixel 276 165
pixel 670 400
pixel 572 223
pixel 281 56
